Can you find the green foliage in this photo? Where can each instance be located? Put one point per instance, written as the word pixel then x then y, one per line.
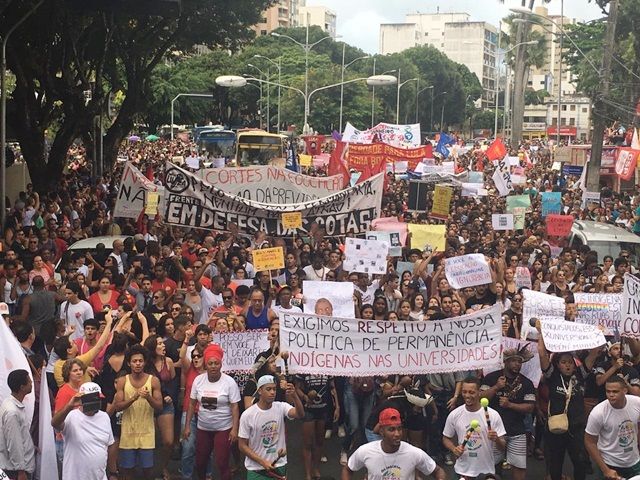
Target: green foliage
pixel 535 97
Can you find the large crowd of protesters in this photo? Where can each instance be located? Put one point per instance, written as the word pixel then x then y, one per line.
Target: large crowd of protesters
pixel 123 335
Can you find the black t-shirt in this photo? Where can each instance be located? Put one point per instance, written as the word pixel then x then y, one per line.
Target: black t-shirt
pixel 518 390
pixel 251 387
pixel 173 347
pixel 321 384
pixel 629 373
pixel 489 298
pixel 400 404
pixel 559 384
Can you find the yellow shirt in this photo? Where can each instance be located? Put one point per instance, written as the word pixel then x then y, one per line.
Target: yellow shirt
pixel 138 428
pixel 86 358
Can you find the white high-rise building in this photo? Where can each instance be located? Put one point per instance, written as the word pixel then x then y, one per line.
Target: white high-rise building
pixel 318 15
pixel 454 34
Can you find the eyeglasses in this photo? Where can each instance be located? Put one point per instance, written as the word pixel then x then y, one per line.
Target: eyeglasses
pixel 196 355
pixel 173 309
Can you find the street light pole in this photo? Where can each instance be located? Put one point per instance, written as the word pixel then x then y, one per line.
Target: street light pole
pixel 560 74
pixel 342 70
pixel 3 112
pixel 373 94
pixel 398 95
pixel 278 65
pixel 418 94
pixel 498 75
pixel 431 120
pixel 206 95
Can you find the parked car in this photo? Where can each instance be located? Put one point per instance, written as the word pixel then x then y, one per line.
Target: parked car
pixel 604 238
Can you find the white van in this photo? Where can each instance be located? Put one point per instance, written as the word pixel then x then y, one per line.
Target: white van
pixel 605 238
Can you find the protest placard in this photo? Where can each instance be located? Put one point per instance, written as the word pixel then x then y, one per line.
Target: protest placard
pixel 402 267
pixel 502 221
pixel 151 205
pixel 518 217
pixel 551 203
pixel 559 225
pixel 391 224
pixel 502 178
pixel 515 201
pixel 392 239
pixel 631 306
pixel 523 277
pixel 467 271
pixel 590 198
pixel 530 369
pixel 305 160
pixel 602 309
pixel 563 336
pixel 133 191
pixel 268 259
pixel 241 348
pixel 432 235
pixel 365 256
pixel 292 220
pixel 473 190
pixel 338 300
pixel 539 305
pixel 192 202
pixel 270 184
pixel 441 202
pixel 476 177
pixel 355 347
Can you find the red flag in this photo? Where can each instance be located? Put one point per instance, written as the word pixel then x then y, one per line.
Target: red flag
pixel 149 172
pixel 338 163
pixel 496 150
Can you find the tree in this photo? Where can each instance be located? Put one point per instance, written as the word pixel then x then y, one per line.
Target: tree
pixel 535 97
pixel 63 51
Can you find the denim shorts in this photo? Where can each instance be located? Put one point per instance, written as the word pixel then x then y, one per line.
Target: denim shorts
pixel 139 457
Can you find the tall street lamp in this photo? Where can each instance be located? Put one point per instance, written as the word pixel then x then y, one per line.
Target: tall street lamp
pixel 278 65
pixel 268 77
pixel 415 79
pixel 3 111
pixel 237 81
pixel 344 67
pixel 373 92
pixel 173 101
pixel 441 113
pixel 418 92
pixel 306 46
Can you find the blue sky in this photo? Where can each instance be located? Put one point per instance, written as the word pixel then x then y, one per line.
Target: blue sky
pixel 359 20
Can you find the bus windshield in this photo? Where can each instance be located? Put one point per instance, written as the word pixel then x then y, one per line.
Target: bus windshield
pixel 218 143
pixel 259 148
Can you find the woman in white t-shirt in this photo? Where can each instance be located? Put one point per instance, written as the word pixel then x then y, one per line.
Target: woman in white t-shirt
pixel 218 416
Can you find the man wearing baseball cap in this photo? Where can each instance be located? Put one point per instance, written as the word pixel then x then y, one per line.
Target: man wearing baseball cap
pixel 87 434
pixel 391 457
pixel 261 436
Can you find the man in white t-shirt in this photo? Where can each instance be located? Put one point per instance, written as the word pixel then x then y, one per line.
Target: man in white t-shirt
pixel 475 446
pixel 611 436
pixel 261 436
pixel 316 271
pixel 284 303
pixel 75 311
pixel 87 435
pixel 391 457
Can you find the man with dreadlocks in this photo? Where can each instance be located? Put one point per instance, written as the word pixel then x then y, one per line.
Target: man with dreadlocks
pixel 513 396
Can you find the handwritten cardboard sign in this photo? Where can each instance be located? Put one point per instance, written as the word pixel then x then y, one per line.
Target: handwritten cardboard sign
pixel 559 225
pixel 268 259
pixel 292 220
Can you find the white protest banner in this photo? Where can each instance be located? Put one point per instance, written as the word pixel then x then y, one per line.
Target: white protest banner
pixel 402 136
pixel 523 278
pixel 354 347
pixel 325 295
pixel 563 336
pixel 502 221
pixel 631 306
pixel 467 271
pixel 192 202
pixel 12 358
pixel 502 178
pixel 445 168
pixel 132 195
pixel 365 256
pixel 530 369
pixel 192 162
pixel 474 190
pixel 46 460
pixel 392 239
pixel 269 184
pixel 241 348
pixel 601 309
pixel 539 305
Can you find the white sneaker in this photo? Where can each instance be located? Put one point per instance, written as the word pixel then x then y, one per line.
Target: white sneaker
pixel 341 432
pixel 343 458
pixel 324 459
pixel 327 433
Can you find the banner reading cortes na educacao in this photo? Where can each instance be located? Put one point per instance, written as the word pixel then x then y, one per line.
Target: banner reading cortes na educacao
pixel 192 202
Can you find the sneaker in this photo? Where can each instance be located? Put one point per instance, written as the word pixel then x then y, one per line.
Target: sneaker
pixel 343 458
pixel 341 432
pixel 324 459
pixel 327 433
pixel 506 465
pixel 448 460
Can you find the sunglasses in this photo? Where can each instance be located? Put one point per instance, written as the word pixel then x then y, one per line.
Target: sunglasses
pixel 196 355
pixel 227 298
pixel 174 309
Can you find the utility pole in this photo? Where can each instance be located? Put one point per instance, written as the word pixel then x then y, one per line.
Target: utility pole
pixel 599 122
pixel 520 74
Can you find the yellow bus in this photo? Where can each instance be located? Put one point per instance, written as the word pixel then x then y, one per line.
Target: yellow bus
pixel 257 147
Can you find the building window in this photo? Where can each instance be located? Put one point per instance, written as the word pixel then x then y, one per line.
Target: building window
pixel 564 108
pixel 555 107
pixel 572 108
pixel 563 121
pixel 263 32
pixel 554 121
pixel 584 109
pixel 572 121
pixel 263 20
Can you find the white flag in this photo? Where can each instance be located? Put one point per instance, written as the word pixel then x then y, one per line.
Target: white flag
pixel 47 464
pixel 12 358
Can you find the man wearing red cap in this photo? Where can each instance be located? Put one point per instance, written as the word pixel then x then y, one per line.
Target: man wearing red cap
pixel 391 457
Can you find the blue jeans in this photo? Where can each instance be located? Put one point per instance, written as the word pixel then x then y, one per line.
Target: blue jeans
pixel 357 411
pixel 188 457
pixel 371 436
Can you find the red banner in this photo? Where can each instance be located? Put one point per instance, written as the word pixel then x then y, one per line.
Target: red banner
pixel 371 157
pixel 313 144
pixel 626 163
pixel 559 225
